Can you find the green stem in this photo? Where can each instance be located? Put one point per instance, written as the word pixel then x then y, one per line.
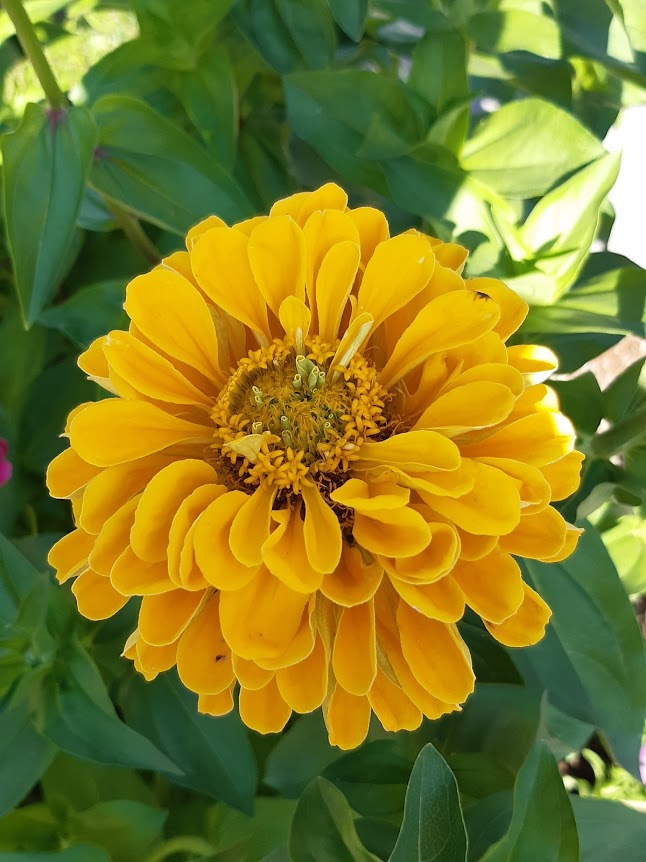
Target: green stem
pixel 131 227
pixel 621 436
pixel 181 844
pixel 35 54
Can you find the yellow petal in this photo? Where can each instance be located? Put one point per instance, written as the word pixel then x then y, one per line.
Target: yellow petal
pixel 68 473
pixel 248 226
pixel 264 709
pixel 535 362
pixel 564 475
pixel 527 626
pixel 180 262
pixel 251 526
pixel 397 271
pixel 299 647
pixel 365 498
pixel 182 567
pixel 216 704
pixel 221 266
pixel 148 372
pixel 164 617
pixel 303 686
pixel 472 406
pixel 538 536
pixel 93 361
pixel 451 255
pixel 203 656
pixel 436 655
pixel 572 536
pixel 153 660
pixel 160 501
pixel 327 197
pixel 131 576
pixel 333 286
pixel 534 490
pixel 351 342
pixel 513 309
pixel 114 538
pixel 535 399
pixel 394 709
pixel 492 586
pixel 437 558
pixel 198 230
pixel 276 252
pixel 170 312
pixel 249 674
pixel 96 598
pixel 353 581
pixel 323 230
pixel 295 318
pixel 261 619
pixel 492 507
pixel 290 205
pixel 537 439
pixel 489 372
pixel 441 600
pixel 449 321
pixel 321 531
pixel 392 532
pixel 347 719
pixel 211 543
pixel 114 431
pixel 475 547
pixel 69 556
pixel 372 227
pixel 354 656
pixel 285 555
pixel 414 451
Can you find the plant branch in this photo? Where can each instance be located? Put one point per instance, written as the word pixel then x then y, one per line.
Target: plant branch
pixel 35 54
pixel 131 227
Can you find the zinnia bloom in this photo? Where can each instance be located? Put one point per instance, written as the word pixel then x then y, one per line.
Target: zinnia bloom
pixel 6 467
pixel 318 451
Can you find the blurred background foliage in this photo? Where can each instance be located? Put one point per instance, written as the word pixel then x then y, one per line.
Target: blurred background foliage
pixel 479 121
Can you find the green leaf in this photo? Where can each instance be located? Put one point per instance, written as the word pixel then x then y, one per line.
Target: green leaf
pixel 433 827
pixel 22 354
pixel 626 544
pixel 525 147
pixel 79 717
pixel 608 830
pixel 17 580
pixel 581 401
pixel 80 853
pixel 350 15
pixel 254 836
pixel 78 785
pixel 213 753
pixel 46 165
pixel 542 825
pixel 600 676
pixel 88 313
pixel 30 827
pixel 126 829
pixel 302 752
pixel 561 227
pixel 24 754
pixel 487 820
pixel 156 170
pixel 627 392
pixel 516 30
pixel 323 827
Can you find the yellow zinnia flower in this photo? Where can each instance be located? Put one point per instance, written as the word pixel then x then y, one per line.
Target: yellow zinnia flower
pixel 318 451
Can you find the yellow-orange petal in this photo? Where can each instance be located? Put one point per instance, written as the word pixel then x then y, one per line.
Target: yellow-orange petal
pixel 394 709
pixel 451 255
pixel 392 532
pixel 437 558
pixel 492 586
pixel 472 406
pixel 537 439
pixel 276 252
pixel 131 576
pixel 334 283
pixel 368 497
pixel 538 536
pixel 249 674
pixel 114 431
pixel 411 451
pixel 563 476
pixel 69 556
pixel 263 709
pixel 535 362
pixel 251 526
pixel 181 557
pixel 329 196
pixel 489 372
pixel 96 598
pixel 154 660
pixel 163 618
pixel 527 626
pixel 201 228
pixel 285 554
pixel 303 686
pixel 532 487
pixel 295 318
pixel 203 656
pixel 353 581
pixel 68 473
pixel 114 538
pixel 572 536
pixel 474 547
pixel 347 718
pixel 160 501
pixel 211 544
pixel 441 600
pixel 321 531
pixel 216 704
pixel 354 656
pixel 372 227
pixel 323 230
pixel 513 308
pixel 436 655
pixel 290 205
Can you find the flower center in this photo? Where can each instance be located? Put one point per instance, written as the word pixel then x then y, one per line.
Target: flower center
pixel 285 418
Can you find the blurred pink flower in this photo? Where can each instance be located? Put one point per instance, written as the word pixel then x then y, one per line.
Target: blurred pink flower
pixel 6 468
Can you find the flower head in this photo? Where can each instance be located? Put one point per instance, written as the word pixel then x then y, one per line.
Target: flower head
pixel 318 452
pixel 6 467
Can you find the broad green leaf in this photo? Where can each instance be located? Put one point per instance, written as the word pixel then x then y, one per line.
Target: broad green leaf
pixel 17 579
pixel 126 829
pixel 80 719
pixel 433 826
pixel 562 225
pixel 79 853
pixel 626 392
pixel 581 401
pixel 30 827
pixel 24 754
pixel 254 836
pixel 302 752
pixel 501 31
pixel 542 825
pixel 350 15
pixel 90 312
pixel 526 146
pixel 22 354
pixel 609 830
pixel 323 827
pixel 487 820
pixel 46 165
pixel 600 675
pixel 156 170
pixel 38 10
pixel 213 753
pixel 626 544
pixel 78 785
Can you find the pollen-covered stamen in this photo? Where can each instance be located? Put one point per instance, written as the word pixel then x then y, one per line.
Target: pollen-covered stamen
pixel 285 418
